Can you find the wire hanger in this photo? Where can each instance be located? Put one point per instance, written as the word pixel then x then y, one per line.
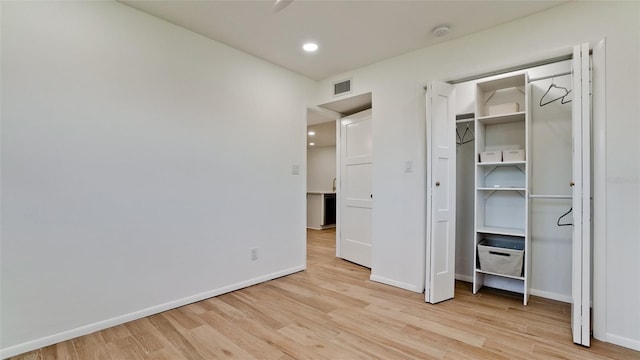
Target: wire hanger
pixel 464 135
pixel 494 93
pixel 561 98
pixel 563 215
pixel 461 139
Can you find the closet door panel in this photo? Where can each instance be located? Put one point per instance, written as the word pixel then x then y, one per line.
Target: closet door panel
pixel 581 278
pixel 441 193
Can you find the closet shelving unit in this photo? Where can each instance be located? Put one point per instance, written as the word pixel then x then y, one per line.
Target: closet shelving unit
pixel 502 187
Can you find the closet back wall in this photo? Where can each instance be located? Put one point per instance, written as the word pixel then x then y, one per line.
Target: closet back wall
pixel 135 177
pixel 551 171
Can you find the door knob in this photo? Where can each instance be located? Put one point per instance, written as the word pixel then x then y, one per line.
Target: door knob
pixel 437 183
pixel 572 184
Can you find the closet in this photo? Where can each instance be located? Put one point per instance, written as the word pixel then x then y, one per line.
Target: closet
pixel 521 150
pixel 514 167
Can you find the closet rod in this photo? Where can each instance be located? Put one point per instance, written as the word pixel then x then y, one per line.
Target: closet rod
pixel 513 68
pixel 550 76
pixel 532 196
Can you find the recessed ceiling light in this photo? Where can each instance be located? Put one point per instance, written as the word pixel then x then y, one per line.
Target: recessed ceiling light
pixel 311 133
pixel 280 4
pixel 310 47
pixel 311 144
pixel 441 31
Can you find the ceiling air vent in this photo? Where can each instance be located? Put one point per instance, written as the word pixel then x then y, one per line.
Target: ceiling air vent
pixel 342 87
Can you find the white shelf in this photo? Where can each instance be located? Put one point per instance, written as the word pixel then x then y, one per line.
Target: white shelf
pixel 501 231
pixel 502 163
pixel 503 83
pixel 501 189
pixel 502 275
pixel 507 205
pixel 502 119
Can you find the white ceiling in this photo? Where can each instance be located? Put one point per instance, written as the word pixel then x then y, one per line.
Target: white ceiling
pixel 316 117
pixel 351 34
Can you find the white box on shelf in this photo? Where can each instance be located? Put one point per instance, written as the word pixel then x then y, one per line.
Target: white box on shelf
pixel 512 155
pixel 491 156
pixel 500 109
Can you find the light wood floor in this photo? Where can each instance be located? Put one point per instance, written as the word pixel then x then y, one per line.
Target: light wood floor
pixel 332 311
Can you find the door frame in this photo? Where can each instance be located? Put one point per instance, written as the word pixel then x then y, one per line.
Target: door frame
pixel 338 187
pixel 599 171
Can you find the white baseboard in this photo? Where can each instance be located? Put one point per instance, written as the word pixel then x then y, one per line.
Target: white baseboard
pixel 551 295
pixel 624 342
pixel 322 227
pixel 395 283
pixel 535 292
pixel 104 324
pixel 465 278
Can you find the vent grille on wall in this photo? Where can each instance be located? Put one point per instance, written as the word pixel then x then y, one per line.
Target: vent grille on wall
pixel 342 87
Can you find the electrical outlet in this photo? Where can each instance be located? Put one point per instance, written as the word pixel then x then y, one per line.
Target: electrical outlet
pixel 254 254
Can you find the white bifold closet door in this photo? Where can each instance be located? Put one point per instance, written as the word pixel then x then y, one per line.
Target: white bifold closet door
pixel 441 192
pixel 581 185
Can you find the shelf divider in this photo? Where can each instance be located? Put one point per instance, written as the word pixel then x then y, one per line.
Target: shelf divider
pixel 502 275
pixel 502 118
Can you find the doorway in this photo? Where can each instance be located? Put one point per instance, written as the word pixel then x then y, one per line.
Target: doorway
pixel 349 212
pixel 321 171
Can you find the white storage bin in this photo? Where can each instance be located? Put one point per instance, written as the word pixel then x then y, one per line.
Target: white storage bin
pixel 512 155
pixel 491 156
pixel 501 256
pixel 501 109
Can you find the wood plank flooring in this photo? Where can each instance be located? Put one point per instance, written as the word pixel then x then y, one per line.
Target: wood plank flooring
pixel 332 311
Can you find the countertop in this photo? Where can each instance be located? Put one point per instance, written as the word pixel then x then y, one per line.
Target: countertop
pixel 320 192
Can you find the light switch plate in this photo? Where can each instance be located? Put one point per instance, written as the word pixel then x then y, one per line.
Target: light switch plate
pixel 295 169
pixel 408 166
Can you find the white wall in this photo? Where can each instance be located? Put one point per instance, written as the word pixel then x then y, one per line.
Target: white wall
pixel 321 168
pixel 140 163
pixel 398 136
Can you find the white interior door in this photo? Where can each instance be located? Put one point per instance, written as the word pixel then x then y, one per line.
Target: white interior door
pixel 581 259
pixel 355 195
pixel 441 193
